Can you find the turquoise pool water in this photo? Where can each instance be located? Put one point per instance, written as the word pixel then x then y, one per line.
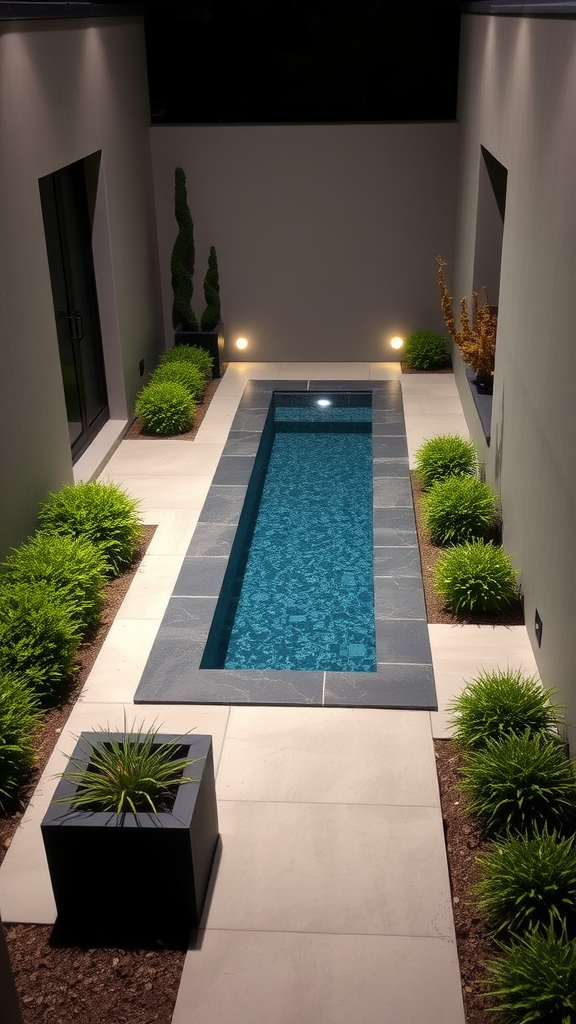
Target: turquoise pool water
pixel 306 600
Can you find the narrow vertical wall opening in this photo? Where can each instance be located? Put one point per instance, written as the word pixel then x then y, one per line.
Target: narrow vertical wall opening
pixel 492 184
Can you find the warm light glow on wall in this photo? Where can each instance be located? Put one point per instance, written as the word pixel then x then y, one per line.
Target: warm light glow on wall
pixel 396 341
pixel 241 343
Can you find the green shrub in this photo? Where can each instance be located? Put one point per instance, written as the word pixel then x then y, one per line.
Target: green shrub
pixel 102 513
pixel 74 566
pixel 19 718
pixel 39 637
pixel 534 980
pixel 426 350
pixel 529 882
pixel 521 783
pixel 211 315
pixel 190 354
pixel 165 407
pixel 443 456
pixel 476 577
pixel 500 703
pixel 187 374
pixel 459 509
pixel 131 774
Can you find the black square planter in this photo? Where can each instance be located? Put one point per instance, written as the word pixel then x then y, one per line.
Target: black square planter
pixel 211 341
pixel 134 877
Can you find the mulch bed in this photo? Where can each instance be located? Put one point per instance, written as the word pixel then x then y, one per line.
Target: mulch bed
pixel 59 984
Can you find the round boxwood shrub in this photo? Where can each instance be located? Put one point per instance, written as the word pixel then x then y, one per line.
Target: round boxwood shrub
pixel 102 513
pixel 521 784
pixel 476 577
pixel 426 350
pixel 19 719
pixel 74 566
pixel 534 979
pixel 165 407
pixel 502 702
pixel 459 509
pixel 529 882
pixel 443 456
pixel 190 354
pixel 39 636
pixel 184 373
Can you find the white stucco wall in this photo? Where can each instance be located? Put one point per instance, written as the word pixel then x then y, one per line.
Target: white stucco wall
pixel 69 89
pixel 326 235
pixel 517 98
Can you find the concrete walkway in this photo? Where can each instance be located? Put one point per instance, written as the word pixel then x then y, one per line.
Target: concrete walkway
pixel 331 899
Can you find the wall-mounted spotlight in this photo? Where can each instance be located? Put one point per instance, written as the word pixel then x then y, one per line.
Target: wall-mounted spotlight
pixel 396 341
pixel 241 343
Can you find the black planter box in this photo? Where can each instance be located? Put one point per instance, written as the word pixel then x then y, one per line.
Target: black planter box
pixel 211 341
pixel 134 877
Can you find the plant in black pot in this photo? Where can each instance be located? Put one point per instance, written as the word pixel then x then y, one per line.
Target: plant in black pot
pixel 130 837
pixel 209 335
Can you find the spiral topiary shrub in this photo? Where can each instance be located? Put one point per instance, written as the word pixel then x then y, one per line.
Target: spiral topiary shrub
pixel 185 373
pixel 101 512
pixel 476 577
pixel 39 636
pixel 211 315
pixel 521 784
pixel 183 251
pixel 460 509
pixel 529 882
pixel 165 407
pixel 534 980
pixel 443 456
pixel 19 719
pixel 426 350
pixel 199 357
pixel 502 702
pixel 73 566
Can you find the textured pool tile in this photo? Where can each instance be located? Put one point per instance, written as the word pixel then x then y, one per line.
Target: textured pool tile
pixel 403 640
pixel 234 470
pixel 392 492
pixel 253 419
pixel 392 686
pixel 223 504
pixel 212 539
pixel 399 597
pixel 390 467
pixel 201 576
pixel 241 443
pixel 389 446
pixel 397 561
pixel 394 526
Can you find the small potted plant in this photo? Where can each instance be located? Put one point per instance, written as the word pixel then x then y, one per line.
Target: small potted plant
pixel 209 335
pixel 130 836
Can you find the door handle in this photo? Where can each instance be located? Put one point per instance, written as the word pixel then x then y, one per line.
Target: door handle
pixel 76 326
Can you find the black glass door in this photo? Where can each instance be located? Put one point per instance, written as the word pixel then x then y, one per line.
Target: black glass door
pixel 69 247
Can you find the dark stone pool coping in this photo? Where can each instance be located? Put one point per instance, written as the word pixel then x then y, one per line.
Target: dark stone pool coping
pixel 404 676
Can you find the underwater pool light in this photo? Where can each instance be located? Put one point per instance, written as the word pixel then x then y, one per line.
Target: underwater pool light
pixel 323 401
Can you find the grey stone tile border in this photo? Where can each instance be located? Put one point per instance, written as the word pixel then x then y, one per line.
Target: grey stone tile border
pixel 404 676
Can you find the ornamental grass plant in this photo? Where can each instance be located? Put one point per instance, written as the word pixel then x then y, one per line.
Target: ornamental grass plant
pixel 165 408
pixel 187 374
pixel 132 774
pixel 529 882
pixel 534 979
pixel 426 350
pixel 476 577
pixel 39 637
pixel 101 512
pixel 73 566
pixel 443 456
pixel 19 720
pixel 501 702
pixel 460 509
pixel 521 784
pixel 193 354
